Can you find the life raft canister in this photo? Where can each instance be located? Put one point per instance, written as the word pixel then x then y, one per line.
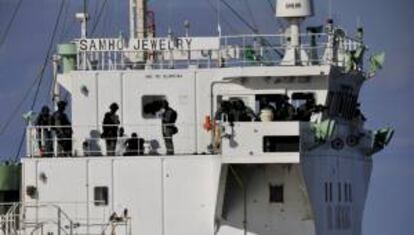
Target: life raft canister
pixel 208 126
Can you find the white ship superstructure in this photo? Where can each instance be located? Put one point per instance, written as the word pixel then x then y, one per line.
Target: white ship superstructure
pixel 265 176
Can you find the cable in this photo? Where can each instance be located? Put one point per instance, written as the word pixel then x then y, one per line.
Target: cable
pixel 232 28
pixel 98 17
pixel 249 10
pixel 263 41
pixel 43 69
pixel 10 24
pixel 65 24
pixel 252 28
pixel 272 9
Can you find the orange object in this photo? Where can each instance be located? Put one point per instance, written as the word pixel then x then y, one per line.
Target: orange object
pixel 207 124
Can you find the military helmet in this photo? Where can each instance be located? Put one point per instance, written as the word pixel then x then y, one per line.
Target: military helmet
pixel 114 106
pixel 62 103
pixel 45 109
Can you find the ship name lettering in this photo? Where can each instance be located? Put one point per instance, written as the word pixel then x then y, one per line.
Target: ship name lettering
pixel 155 44
pixel 293 5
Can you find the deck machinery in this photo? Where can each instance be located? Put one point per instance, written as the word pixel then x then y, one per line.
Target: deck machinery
pixel 260 177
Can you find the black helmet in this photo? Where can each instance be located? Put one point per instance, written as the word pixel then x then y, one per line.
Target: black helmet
pixel 62 104
pixel 165 104
pixel 45 109
pixel 114 106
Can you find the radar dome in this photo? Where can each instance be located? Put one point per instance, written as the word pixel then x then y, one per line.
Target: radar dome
pixel 294 8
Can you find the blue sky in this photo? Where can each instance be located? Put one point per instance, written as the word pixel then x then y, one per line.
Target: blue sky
pixel 386 100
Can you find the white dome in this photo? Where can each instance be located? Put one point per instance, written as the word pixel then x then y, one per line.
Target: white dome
pixel 294 8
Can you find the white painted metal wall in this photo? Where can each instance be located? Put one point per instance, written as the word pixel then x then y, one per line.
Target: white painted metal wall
pixel 162 195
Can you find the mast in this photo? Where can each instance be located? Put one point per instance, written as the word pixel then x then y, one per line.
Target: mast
pixel 294 12
pixel 137 18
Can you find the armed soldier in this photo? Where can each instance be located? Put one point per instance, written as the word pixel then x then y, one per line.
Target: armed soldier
pixel 44 133
pixel 110 129
pixel 135 146
pixel 169 117
pixel 63 130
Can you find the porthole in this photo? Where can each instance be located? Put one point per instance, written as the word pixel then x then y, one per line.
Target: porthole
pixel 352 141
pixel 337 144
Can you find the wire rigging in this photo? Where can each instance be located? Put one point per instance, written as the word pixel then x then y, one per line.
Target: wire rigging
pixel 99 16
pixel 244 21
pixel 43 69
pixel 272 9
pixel 10 23
pixel 249 10
pixel 214 8
pixel 263 41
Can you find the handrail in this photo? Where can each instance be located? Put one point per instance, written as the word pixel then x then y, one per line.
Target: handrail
pixel 87 140
pixel 217 56
pixel 22 220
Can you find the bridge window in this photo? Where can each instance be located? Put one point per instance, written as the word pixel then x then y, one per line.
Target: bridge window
pixel 272 144
pixel 101 196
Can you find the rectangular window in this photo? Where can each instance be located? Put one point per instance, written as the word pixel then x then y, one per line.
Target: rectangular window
pixel 346 192
pixel 330 192
pixel 100 196
pixel 151 105
pixel 326 192
pixel 273 144
pixel 339 192
pixel 276 194
pixel 350 192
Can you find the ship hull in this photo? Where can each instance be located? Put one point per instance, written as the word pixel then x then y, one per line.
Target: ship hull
pixel 162 194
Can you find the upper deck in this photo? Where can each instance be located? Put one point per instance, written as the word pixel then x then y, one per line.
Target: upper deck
pixel 114 54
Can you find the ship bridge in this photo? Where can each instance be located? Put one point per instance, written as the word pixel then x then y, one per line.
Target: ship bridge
pixel 244 134
pixel 195 75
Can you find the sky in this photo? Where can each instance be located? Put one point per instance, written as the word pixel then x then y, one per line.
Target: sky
pixel 386 100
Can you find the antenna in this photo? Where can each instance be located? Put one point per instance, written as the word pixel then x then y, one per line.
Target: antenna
pixel 330 9
pixel 132 19
pixel 359 22
pixel 137 18
pixel 218 18
pixel 85 6
pixel 294 12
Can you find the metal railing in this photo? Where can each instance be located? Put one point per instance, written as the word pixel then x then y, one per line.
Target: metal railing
pixel 23 218
pixel 88 141
pixel 233 51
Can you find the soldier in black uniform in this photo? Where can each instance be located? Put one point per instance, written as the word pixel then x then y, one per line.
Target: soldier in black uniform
pixel 286 111
pixel 169 117
pixel 134 146
pixel 306 110
pixel 110 129
pixel 223 112
pixel 44 133
pixel 242 113
pixel 63 130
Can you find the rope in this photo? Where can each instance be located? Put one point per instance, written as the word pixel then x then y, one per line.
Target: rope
pixel 43 70
pixel 10 24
